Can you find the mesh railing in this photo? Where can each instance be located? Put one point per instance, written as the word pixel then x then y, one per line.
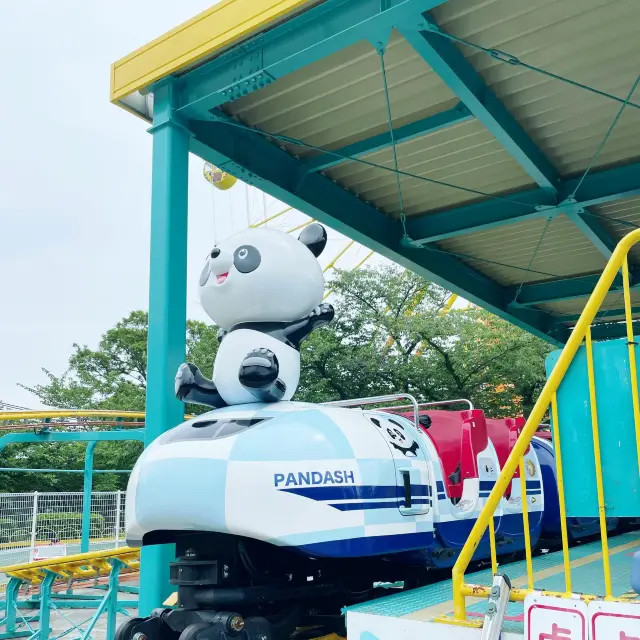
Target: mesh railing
pixel 31 522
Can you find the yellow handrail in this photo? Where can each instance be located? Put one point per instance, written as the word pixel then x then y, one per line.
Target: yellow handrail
pixel 547 395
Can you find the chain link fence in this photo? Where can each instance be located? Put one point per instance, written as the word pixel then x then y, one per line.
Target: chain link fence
pixel 31 522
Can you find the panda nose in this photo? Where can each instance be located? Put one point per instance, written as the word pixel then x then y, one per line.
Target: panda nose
pixel 215 252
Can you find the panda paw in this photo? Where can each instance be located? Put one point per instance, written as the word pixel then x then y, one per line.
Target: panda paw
pixel 259 368
pixel 185 379
pixel 322 311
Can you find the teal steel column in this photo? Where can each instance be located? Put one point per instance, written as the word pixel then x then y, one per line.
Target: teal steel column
pixel 86 499
pixel 167 307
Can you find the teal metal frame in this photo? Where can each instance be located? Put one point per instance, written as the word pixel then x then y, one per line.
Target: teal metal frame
pixel 167 305
pixel 187 118
pixel 92 438
pixel 46 601
pixel 330 27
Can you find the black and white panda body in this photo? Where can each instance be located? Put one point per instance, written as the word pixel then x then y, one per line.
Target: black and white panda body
pixel 264 289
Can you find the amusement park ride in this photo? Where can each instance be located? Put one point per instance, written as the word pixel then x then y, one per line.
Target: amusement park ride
pixel 511 178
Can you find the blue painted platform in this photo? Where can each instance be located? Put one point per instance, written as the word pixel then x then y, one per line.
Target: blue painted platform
pixel 426 603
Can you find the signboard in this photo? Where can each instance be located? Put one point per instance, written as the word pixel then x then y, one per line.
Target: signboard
pixel 549 618
pixel 46 552
pixel 614 620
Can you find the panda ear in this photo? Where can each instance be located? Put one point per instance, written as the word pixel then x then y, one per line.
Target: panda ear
pixel 314 237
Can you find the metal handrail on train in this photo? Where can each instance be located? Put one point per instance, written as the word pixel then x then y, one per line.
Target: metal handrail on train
pixel 435 404
pixel 548 398
pixel 356 402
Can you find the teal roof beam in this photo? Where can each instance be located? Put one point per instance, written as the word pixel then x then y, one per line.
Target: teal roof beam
pixel 449 63
pixel 430 124
pixel 311 36
pixel 599 187
pixel 601 315
pixel 612 330
pixel 253 159
pixel 562 289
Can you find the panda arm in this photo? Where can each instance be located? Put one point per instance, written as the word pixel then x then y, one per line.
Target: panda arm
pixel 297 331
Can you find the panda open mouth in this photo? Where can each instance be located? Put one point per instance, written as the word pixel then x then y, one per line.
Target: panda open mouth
pixel 221 277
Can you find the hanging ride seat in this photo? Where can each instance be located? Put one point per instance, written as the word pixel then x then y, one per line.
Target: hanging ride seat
pixel 458 437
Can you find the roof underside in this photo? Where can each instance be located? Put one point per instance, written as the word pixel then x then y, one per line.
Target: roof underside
pixel 489 146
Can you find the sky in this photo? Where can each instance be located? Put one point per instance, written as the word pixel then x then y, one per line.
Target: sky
pixel 75 185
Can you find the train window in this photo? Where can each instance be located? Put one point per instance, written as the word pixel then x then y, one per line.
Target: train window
pixel 209 429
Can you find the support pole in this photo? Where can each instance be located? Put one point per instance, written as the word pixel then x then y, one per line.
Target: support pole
pixel 118 523
pixel 86 497
pixel 34 526
pixel 167 307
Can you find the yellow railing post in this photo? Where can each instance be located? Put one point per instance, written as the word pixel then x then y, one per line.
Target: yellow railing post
pixel 492 544
pixel 535 418
pixel 560 483
pixel 525 523
pixel 602 513
pixel 632 353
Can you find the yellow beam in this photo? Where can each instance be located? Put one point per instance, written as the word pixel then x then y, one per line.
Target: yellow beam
pixel 207 34
pixel 75 564
pixel 301 226
pixel 270 218
pixel 332 264
pixel 330 291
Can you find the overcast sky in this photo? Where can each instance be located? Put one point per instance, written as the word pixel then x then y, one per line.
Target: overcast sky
pixel 75 184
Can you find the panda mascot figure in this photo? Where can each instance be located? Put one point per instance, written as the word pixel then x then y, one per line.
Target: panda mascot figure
pixel 264 289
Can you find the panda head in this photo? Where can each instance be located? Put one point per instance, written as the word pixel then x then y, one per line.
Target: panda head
pixel 263 275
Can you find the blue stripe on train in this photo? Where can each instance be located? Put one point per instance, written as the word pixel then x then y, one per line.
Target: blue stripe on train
pixel 357 506
pixel 362 492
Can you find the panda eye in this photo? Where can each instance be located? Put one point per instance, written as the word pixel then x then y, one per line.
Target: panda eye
pixel 204 276
pixel 246 258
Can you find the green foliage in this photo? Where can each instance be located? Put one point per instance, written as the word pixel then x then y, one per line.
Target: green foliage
pixel 67 526
pixel 114 376
pixel 389 336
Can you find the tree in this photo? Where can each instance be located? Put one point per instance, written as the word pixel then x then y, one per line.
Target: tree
pixel 389 336
pixel 113 376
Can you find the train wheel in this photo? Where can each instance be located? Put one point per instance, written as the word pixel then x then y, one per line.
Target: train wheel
pixel 191 632
pixel 126 629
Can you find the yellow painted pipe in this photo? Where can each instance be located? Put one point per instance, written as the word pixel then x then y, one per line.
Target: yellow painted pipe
pixel 561 501
pixel 535 417
pixel 326 295
pixel 632 353
pixel 270 218
pixel 598 462
pixel 340 254
pixel 301 226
